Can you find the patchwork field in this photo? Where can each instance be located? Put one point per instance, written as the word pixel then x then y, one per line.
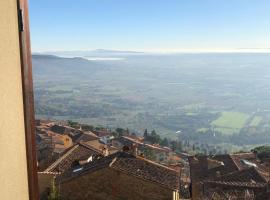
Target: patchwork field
pixel 230 122
pixel 185 96
pixel 255 121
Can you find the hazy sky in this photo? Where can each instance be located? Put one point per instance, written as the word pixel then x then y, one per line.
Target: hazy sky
pixel 149 25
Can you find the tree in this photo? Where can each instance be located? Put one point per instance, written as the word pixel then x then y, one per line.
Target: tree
pixel 262 151
pixel 193 147
pixel 73 124
pixel 115 134
pixel 86 127
pixel 120 131
pixel 149 154
pixel 174 145
pixel 179 146
pixel 145 134
pixel 153 133
pixel 164 142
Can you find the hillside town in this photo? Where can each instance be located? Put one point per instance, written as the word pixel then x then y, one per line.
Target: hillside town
pixel 77 161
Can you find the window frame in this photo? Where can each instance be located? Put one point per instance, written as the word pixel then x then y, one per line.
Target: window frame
pixel 28 97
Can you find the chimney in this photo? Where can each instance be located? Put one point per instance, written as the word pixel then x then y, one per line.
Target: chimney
pixel 134 149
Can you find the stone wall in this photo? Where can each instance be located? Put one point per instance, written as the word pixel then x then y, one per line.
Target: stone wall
pixel 109 184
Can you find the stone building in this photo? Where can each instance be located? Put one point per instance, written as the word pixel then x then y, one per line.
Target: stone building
pixel 120 176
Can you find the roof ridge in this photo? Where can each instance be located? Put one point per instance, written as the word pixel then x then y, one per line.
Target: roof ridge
pixel 234 172
pixel 263 174
pixel 53 165
pixel 112 161
pixel 259 173
pixel 154 163
pixel 51 173
pixel 231 157
pixel 244 153
pixel 152 181
pixel 89 146
pixel 237 183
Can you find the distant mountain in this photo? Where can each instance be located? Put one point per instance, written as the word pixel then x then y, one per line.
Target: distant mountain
pixel 51 65
pixel 95 53
pixel 114 51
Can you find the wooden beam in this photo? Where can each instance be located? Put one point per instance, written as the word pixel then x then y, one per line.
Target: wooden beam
pixel 28 98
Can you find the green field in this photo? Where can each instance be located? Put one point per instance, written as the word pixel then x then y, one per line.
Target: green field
pixel 230 122
pixel 255 121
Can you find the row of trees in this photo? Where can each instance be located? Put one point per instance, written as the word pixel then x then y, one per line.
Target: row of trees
pixel 151 137
pixel 154 138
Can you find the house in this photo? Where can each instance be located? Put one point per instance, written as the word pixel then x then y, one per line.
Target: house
pixel 232 174
pixel 87 136
pixel 66 130
pixel 102 133
pixel 160 154
pixel 79 153
pixel 99 146
pixel 120 176
pixel 249 180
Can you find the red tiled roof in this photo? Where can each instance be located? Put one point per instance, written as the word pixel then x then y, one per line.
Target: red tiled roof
pixel 102 133
pixel 246 175
pixel 237 184
pixel 87 136
pixel 131 165
pixel 77 152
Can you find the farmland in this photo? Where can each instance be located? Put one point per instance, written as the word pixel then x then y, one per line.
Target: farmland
pixel 230 122
pixel 213 98
pixel 255 121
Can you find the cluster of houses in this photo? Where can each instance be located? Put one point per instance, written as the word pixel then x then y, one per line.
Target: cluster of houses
pixel 241 176
pixel 95 165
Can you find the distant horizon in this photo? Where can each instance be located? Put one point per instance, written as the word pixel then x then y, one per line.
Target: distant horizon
pixel 174 51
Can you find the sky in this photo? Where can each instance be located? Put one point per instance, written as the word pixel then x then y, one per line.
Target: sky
pixel 150 25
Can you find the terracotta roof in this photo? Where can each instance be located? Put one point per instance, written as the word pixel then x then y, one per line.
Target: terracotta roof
pixel 87 136
pixel 128 141
pixel 237 184
pixel 51 173
pixel 243 159
pixel 58 129
pixel 233 194
pixel 228 163
pixel 77 152
pixel 246 175
pixel 131 165
pixel 102 133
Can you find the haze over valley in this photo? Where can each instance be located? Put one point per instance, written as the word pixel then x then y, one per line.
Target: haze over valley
pixel 213 98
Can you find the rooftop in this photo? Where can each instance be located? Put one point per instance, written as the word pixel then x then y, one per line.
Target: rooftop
pixel 131 165
pixel 77 152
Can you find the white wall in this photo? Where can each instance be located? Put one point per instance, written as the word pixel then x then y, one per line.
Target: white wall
pixel 13 169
